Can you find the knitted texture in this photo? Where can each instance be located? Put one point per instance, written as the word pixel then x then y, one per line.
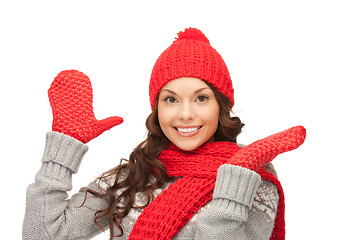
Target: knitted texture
pixel 170 211
pixel 175 206
pixel 190 55
pixel 71 100
pixel 263 151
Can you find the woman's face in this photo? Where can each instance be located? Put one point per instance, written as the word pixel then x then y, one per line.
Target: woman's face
pixel 188 112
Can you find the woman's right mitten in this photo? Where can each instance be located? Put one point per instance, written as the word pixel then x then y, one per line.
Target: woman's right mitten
pixel 71 100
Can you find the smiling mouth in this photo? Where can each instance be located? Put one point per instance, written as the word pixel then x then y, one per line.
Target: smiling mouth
pixel 187 130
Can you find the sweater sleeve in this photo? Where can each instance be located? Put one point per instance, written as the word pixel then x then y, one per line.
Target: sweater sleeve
pixel 236 209
pixel 49 213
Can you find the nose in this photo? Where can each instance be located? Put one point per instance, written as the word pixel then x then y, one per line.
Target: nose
pixel 186 112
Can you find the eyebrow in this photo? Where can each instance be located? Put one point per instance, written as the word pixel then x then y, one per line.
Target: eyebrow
pixel 197 91
pixel 172 92
pixel 168 90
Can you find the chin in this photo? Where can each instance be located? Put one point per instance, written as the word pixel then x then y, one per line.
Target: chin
pixel 188 146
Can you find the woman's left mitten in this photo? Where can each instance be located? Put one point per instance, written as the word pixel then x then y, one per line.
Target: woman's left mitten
pixel 71 100
pixel 263 151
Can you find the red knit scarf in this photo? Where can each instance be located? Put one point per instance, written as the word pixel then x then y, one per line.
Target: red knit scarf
pixel 175 206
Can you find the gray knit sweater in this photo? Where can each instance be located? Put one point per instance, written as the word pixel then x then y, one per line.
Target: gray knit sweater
pixel 243 207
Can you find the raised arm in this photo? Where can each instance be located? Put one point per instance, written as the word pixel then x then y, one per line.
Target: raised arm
pixel 244 206
pixel 49 213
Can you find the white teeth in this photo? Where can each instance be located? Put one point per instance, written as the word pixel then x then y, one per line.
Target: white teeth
pixel 187 130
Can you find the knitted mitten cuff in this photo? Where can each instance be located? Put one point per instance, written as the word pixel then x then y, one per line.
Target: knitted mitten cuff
pixel 237 184
pixel 64 150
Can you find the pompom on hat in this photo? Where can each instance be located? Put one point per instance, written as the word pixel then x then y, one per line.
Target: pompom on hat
pixel 190 55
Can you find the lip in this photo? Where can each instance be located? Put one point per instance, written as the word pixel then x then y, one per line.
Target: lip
pixel 192 130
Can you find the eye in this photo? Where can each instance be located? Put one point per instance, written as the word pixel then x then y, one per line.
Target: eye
pixel 202 98
pixel 170 99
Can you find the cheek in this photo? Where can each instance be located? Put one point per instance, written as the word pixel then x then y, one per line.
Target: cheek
pixel 211 116
pixel 214 122
pixel 162 118
pixel 165 117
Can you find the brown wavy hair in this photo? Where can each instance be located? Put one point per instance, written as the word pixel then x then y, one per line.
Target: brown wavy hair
pixel 143 166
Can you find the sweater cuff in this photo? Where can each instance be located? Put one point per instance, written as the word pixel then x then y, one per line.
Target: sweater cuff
pixel 64 150
pixel 236 184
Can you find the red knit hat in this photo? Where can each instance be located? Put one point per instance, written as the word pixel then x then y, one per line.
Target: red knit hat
pixel 190 55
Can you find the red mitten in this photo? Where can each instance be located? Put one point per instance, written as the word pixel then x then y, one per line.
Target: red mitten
pixel 71 100
pixel 262 152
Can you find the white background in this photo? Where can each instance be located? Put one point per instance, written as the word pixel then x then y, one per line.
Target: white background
pixel 292 63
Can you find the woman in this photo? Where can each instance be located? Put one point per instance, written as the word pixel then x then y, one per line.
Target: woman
pixel 188 179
